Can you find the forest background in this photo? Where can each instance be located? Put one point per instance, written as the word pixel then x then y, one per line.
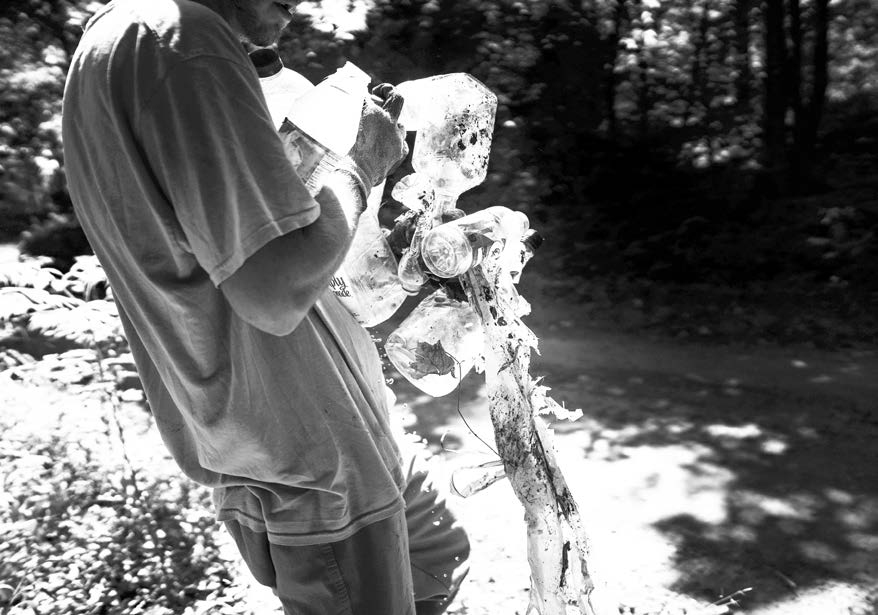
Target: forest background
pixel 700 167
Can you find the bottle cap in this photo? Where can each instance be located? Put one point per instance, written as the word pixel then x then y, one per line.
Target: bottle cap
pixel 267 62
pixel 532 239
pixel 446 253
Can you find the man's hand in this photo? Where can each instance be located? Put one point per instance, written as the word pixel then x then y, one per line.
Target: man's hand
pixel 380 145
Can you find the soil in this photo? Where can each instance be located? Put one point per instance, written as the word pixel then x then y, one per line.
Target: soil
pixel 701 469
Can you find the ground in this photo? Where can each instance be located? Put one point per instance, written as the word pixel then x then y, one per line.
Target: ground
pixel 701 468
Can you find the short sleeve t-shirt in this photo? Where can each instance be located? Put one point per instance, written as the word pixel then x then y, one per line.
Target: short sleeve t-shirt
pixel 178 176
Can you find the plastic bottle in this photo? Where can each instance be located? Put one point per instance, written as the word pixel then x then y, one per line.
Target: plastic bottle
pixel 442 339
pixel 453 115
pixel 330 112
pixel 451 249
pixel 437 344
pixel 280 85
pixel 367 283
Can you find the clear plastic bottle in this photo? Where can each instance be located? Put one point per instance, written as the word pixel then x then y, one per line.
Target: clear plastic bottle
pixel 442 339
pixel 367 283
pixel 451 249
pixel 437 344
pixel 453 115
pixel 330 112
pixel 321 126
pixel 280 85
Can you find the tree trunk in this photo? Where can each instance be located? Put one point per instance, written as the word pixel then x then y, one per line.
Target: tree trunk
pixel 812 112
pixel 793 81
pixel 700 64
pixel 620 14
pixel 644 101
pixel 743 90
pixel 774 108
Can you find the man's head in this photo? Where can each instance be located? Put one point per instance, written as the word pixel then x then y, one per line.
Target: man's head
pixel 259 21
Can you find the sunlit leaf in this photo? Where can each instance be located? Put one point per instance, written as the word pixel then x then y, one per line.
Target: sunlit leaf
pixel 26 275
pixel 94 322
pixel 16 302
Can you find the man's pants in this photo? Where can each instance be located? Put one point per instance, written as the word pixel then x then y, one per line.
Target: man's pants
pixel 410 563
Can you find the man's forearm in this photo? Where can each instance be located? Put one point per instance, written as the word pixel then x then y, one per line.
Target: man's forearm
pixel 343 195
pixel 274 288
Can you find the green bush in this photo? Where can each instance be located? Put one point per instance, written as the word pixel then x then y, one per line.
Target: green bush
pixel 81 538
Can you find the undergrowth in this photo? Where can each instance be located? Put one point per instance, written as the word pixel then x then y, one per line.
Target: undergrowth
pixel 84 536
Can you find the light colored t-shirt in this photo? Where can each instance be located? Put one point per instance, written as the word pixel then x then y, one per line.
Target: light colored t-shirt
pixel 178 176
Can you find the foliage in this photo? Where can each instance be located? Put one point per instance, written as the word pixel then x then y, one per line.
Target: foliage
pixel 37 38
pixel 58 236
pixel 635 128
pixel 84 532
pixel 82 538
pixel 43 310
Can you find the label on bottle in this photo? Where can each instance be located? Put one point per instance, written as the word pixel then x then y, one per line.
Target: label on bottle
pixel 310 159
pixel 340 287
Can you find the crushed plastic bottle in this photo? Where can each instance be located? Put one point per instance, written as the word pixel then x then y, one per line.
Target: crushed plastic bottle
pixel 451 249
pixel 454 117
pixel 437 344
pixel 367 283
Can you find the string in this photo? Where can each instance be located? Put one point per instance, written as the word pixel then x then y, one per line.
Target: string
pixel 459 412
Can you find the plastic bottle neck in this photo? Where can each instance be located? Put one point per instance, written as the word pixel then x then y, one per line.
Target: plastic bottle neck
pixel 267 62
pixel 444 201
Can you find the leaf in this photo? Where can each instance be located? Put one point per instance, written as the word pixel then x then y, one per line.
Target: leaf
pixel 94 322
pixel 29 275
pixel 86 277
pixel 432 359
pixel 17 302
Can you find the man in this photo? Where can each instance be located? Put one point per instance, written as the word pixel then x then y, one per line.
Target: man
pixel 262 386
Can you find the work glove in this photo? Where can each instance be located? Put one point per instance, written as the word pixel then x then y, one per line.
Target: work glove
pixel 380 146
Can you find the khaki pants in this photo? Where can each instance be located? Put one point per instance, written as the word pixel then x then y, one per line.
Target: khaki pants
pixel 410 563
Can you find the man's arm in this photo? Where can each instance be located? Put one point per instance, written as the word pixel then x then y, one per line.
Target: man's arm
pixel 274 288
pixel 247 218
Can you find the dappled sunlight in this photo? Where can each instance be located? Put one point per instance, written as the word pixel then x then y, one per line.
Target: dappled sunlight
pixel 704 482
pixel 792 505
pixel 761 473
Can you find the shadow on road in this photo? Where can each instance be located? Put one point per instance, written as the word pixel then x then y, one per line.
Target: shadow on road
pixel 800 488
pixel 779 442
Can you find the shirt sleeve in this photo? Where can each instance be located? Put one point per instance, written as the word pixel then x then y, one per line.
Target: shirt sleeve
pixel 210 141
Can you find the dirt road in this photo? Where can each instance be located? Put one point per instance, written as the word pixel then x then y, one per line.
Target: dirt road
pixel 703 470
